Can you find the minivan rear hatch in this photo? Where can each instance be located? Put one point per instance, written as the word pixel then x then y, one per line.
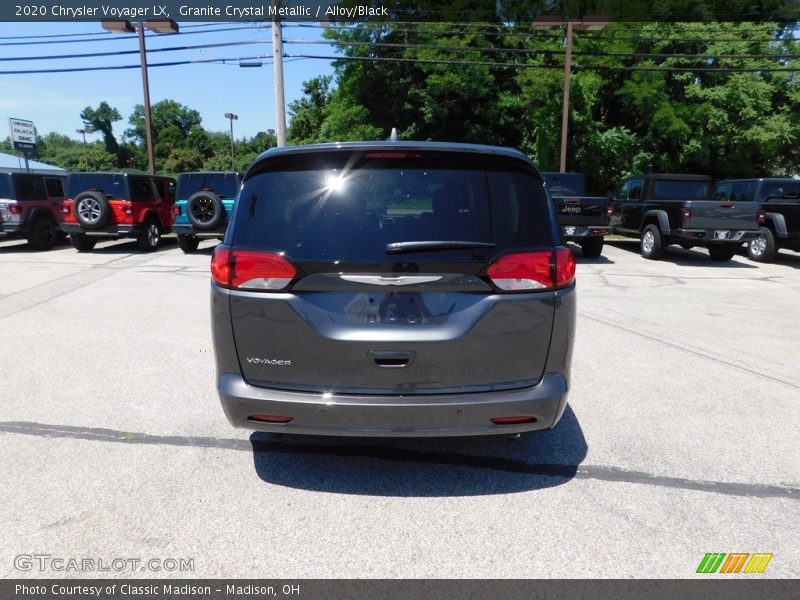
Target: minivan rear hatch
pixel 377 272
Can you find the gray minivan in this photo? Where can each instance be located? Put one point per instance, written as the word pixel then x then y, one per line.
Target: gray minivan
pixel 393 289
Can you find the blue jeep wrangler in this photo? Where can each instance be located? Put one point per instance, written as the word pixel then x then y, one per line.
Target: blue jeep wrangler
pixel 203 207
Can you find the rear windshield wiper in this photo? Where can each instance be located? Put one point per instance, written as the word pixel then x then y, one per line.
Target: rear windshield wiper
pixel 424 246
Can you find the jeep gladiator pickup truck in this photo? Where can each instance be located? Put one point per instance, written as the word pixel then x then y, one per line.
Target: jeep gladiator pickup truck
pixel 664 209
pixel 582 219
pixel 779 197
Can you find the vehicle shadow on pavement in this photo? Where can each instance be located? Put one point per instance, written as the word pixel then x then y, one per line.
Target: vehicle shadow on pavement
pixel 422 467
pixel 787 258
pixel 130 247
pixel 21 246
pixel 688 258
pixel 577 252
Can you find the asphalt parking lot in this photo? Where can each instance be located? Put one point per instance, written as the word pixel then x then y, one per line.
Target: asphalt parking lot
pixel 682 436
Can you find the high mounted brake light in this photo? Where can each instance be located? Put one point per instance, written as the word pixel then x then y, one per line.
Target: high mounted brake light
pixel 533 271
pixel 250 270
pixel 393 155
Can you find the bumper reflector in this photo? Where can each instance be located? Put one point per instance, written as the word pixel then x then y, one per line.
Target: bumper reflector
pixel 269 418
pixel 513 420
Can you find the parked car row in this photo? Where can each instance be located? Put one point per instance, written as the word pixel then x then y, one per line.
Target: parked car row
pixel 88 207
pixel 661 209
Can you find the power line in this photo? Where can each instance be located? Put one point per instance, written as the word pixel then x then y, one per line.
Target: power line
pixel 604 35
pixel 123 52
pixel 534 51
pixel 114 37
pixel 55 35
pixel 559 67
pixel 139 66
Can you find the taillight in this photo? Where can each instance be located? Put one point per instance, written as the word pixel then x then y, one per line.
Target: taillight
pixel 609 210
pixel 762 215
pixel 533 270
pixel 64 209
pixel 686 214
pixel 176 210
pixel 250 270
pixel 14 208
pixel 127 208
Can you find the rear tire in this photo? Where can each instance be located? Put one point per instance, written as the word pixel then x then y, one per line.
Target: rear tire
pixel 82 242
pixel 722 252
pixel 651 245
pixel 763 248
pixel 592 246
pixel 151 236
pixel 188 243
pixel 43 234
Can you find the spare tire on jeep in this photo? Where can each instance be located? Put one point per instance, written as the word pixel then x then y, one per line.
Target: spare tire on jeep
pixel 205 210
pixel 92 210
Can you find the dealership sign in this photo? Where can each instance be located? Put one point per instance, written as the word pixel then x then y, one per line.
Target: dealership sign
pixel 23 134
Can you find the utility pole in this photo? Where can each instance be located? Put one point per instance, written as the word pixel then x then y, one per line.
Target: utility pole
pixel 148 121
pixel 232 118
pixel 588 24
pixel 123 26
pixel 277 65
pixel 565 104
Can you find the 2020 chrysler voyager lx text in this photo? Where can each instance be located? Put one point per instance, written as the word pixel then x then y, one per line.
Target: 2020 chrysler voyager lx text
pixel 393 289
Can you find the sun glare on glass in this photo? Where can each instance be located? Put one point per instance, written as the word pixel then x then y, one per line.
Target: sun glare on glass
pixel 334 183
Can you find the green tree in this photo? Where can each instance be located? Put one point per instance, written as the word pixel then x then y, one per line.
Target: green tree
pixel 163 114
pixel 102 119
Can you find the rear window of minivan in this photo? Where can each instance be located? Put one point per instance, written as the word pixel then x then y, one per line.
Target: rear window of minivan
pixel 344 208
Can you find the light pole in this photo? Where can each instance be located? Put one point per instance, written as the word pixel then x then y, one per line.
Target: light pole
pixel 583 24
pixel 232 118
pixel 123 26
pixel 83 132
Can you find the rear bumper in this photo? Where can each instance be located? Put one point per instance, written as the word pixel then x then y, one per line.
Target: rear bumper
pixel 579 232
pixel 709 236
pixel 113 230
pixel 11 229
pixel 219 232
pixel 394 416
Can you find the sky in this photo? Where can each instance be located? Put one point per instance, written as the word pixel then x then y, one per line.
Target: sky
pixel 54 101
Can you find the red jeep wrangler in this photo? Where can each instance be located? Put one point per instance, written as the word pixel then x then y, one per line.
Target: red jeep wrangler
pixel 114 205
